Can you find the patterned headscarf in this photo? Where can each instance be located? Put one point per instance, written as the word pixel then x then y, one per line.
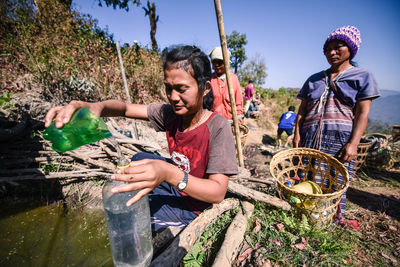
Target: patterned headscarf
pixel 348 34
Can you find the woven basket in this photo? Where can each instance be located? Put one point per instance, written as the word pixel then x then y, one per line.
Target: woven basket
pixel 395 131
pixel 379 158
pixel 378 135
pixel 362 153
pixel 323 169
pixel 244 130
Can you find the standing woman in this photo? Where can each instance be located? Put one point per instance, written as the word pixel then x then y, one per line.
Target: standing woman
pixel 219 85
pixel 335 103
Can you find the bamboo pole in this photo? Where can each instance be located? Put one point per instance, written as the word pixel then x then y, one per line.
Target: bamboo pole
pixel 121 64
pixel 220 20
pixel 128 97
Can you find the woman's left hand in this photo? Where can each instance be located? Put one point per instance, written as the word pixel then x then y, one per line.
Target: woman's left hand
pixel 143 175
pixel 348 152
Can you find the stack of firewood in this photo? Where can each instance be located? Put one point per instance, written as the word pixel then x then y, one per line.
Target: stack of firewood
pixel 32 158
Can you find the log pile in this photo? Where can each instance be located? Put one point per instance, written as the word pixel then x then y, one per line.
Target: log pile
pixel 34 159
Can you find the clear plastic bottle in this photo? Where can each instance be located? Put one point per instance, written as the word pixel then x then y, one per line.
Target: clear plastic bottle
pixel 129 228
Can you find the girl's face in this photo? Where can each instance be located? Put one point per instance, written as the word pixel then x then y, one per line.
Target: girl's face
pixel 337 52
pixel 218 66
pixel 183 92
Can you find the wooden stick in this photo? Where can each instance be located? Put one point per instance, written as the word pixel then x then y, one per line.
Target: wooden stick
pixel 256 195
pixel 60 175
pixel 25 161
pixel 173 255
pixel 128 97
pixel 220 20
pixel 234 237
pixel 121 64
pixel 103 165
pixel 269 181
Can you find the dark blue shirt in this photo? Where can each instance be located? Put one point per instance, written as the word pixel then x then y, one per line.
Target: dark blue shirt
pixel 287 120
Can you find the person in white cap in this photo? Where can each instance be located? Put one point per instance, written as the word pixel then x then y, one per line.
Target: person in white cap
pixel 219 85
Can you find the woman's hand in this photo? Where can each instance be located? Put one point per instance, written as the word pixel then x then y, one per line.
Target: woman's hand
pixel 143 175
pixel 348 152
pixel 62 114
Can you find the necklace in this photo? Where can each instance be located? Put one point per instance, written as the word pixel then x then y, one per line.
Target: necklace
pixel 202 118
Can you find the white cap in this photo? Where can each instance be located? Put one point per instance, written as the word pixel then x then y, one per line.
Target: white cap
pixel 216 53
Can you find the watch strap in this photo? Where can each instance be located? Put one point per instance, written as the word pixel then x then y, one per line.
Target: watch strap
pixel 183 183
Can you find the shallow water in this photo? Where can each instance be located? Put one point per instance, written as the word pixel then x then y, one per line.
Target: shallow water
pixel 52 236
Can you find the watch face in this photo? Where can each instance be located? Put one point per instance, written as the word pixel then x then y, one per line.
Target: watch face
pixel 181 185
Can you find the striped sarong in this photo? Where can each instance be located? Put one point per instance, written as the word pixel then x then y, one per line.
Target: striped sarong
pixel 327 127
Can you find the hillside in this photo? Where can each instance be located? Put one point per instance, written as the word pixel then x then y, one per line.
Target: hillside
pixel 385 109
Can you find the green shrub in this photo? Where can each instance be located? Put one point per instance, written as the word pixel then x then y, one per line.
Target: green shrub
pixel 70 57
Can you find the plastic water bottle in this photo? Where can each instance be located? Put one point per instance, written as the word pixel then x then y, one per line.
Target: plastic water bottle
pixel 83 128
pixel 129 228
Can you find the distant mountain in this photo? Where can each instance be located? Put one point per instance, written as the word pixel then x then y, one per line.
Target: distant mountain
pixel 385 109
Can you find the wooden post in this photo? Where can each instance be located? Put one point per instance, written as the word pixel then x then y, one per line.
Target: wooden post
pixel 121 64
pixel 128 97
pixel 220 20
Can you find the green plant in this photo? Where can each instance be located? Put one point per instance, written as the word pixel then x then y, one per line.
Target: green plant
pixel 50 167
pixel 287 240
pixel 96 181
pixel 5 101
pixel 202 252
pixel 69 56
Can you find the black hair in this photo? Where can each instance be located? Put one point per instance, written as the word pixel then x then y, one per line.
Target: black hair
pixel 353 63
pixel 292 108
pixel 250 81
pixel 191 59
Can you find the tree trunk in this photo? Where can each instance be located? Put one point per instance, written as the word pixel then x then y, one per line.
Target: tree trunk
pixel 151 12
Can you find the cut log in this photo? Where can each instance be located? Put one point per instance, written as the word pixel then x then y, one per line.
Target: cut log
pixel 173 255
pixel 234 236
pixel 251 194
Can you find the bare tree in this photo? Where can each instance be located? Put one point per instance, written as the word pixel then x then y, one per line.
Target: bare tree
pixel 151 12
pixel 254 69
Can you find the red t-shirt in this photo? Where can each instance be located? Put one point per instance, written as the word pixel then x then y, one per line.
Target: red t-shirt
pixel 222 102
pixel 205 150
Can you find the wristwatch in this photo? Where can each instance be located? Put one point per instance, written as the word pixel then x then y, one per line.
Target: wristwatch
pixel 182 184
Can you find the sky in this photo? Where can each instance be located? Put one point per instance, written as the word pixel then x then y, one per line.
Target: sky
pixel 287 34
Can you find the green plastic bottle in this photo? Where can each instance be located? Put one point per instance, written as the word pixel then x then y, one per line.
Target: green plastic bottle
pixel 83 128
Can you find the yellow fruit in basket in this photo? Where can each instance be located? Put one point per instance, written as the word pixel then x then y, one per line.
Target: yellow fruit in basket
pixel 307 187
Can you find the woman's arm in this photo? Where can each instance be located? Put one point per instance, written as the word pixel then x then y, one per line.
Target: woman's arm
pixel 238 95
pixel 299 123
pixel 349 151
pixel 108 108
pixel 147 174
